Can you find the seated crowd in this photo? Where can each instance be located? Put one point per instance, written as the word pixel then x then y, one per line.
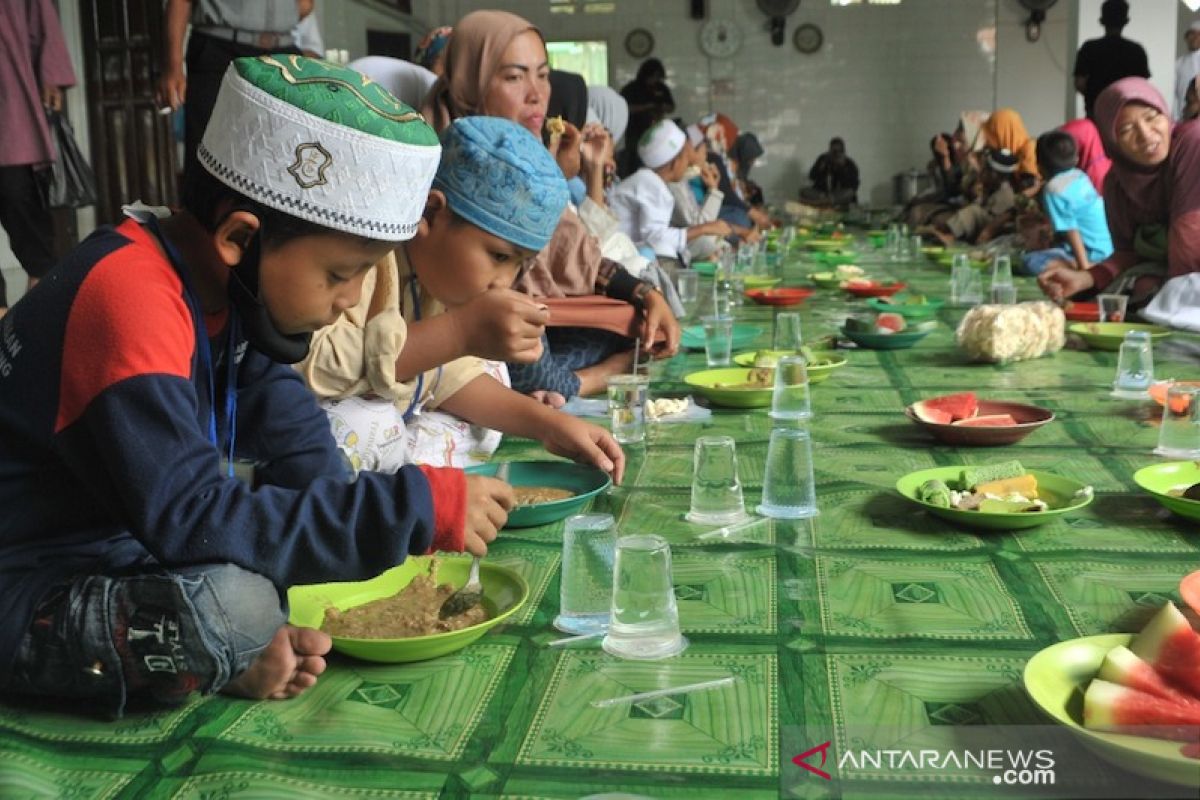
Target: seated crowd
pixel 418 281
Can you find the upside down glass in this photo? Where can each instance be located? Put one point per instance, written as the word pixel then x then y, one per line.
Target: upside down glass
pixel 585 597
pixel 1135 366
pixel 1179 436
pixel 718 340
pixel 687 281
pixel 644 619
pixel 716 489
pixel 789 486
pixel 787 335
pixel 790 398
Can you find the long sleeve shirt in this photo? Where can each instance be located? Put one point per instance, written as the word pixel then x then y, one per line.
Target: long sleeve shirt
pixel 106 461
pixel 356 356
pixel 643 205
pixel 33 54
pixel 689 212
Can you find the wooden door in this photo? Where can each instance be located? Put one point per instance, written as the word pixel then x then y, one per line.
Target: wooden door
pixel 133 152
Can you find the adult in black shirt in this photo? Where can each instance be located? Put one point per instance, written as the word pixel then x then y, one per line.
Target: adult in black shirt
pixel 1108 59
pixel 650 100
pixel 834 178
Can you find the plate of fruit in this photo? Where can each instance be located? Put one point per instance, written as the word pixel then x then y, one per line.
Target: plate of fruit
pixel 1175 484
pixel 785 296
pixel 964 419
pixel 1003 496
pixel 864 287
pixel 1132 699
pixel 886 331
pixel 907 305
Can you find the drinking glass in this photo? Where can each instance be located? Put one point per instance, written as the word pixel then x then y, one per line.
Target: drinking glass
pixel 789 486
pixel 1135 366
pixel 716 490
pixel 1179 436
pixel 1002 271
pixel 718 340
pixel 787 335
pixel 1004 295
pixel 914 248
pixel 627 407
pixel 687 281
pixel 585 597
pixel 722 297
pixel 790 398
pixel 1112 307
pixel 644 618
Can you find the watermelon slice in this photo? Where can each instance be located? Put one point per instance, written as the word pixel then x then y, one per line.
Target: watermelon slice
pixel 1109 707
pixel 892 323
pixel 1122 667
pixel 957 406
pixel 1169 644
pixel 988 421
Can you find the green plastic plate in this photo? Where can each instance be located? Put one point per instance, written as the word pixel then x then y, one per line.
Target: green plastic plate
pixel 759 281
pixel 816 372
pixel 705 267
pixel 705 382
pixel 913 311
pixel 1059 492
pixel 886 341
pixel 1056 679
pixel 1160 478
pixel 1109 335
pixel 743 335
pixel 504 591
pixel 585 481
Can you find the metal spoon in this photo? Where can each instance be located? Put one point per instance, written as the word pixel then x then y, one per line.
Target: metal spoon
pixel 471 593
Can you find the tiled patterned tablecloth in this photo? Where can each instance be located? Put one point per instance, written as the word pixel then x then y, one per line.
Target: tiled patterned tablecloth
pixel 873 614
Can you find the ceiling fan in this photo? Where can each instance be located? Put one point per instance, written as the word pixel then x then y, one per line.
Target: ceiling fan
pixel 778 11
pixel 1037 15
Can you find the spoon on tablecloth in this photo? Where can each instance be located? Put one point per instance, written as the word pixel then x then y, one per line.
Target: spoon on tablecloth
pixel 471 593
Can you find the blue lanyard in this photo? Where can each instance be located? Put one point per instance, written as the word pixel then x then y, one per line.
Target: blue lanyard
pixel 205 351
pixel 416 301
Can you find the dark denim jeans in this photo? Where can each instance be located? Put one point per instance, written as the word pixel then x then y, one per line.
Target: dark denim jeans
pixel 156 635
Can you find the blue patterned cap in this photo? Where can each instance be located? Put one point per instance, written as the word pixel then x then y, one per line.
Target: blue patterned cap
pixel 500 177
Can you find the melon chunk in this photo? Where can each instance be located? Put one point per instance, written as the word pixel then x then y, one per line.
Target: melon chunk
pixel 1169 644
pixel 947 408
pixel 1123 667
pixel 1109 707
pixel 988 421
pixel 1024 485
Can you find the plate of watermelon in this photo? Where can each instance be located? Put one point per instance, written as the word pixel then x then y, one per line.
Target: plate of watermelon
pixel 964 419
pixel 886 331
pixel 1132 699
pixel 1082 312
pixel 909 306
pixel 863 287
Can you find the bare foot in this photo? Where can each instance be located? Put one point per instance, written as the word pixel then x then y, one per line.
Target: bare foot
pixel 289 665
pixel 594 379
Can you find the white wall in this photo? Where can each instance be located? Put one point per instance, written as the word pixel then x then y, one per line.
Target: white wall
pixel 1034 77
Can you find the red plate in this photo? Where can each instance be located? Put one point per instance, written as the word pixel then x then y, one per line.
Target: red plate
pixel 779 297
pixel 1083 312
pixel 1029 418
pixel 873 289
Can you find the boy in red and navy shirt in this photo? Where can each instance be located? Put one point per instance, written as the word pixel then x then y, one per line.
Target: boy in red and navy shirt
pixel 132 563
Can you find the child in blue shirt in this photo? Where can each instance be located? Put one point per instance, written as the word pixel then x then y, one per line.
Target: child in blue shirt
pixel 1075 210
pixel 133 564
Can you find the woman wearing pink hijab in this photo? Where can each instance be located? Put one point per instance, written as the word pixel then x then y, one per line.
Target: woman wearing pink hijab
pixel 1092 159
pixel 1151 197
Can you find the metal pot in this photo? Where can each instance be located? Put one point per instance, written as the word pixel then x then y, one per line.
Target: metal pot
pixel 911 184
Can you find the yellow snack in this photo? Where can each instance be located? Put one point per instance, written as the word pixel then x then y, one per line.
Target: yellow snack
pixel 1025 485
pixel 556 127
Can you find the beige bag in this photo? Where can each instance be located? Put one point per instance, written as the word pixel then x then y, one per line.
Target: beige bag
pixel 1012 333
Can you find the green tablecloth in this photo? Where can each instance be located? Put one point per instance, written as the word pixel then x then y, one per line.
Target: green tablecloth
pixel 875 614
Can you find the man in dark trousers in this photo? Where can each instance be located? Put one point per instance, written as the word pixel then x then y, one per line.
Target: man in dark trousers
pixel 1108 59
pixel 222 30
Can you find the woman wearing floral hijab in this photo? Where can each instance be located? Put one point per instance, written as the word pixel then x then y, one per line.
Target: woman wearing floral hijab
pixel 1151 197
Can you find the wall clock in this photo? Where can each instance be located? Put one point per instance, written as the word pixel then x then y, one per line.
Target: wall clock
pixel 808 38
pixel 639 43
pixel 720 38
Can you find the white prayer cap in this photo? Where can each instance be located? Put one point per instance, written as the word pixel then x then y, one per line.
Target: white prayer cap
pixel 660 144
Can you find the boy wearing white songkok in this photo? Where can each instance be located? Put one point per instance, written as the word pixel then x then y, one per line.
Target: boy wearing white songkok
pixel 136 566
pixel 643 202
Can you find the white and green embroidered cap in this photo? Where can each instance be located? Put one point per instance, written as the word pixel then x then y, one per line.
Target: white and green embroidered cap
pixel 322 143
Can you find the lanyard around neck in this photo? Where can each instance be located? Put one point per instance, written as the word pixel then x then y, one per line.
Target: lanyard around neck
pixel 416 398
pixel 204 350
